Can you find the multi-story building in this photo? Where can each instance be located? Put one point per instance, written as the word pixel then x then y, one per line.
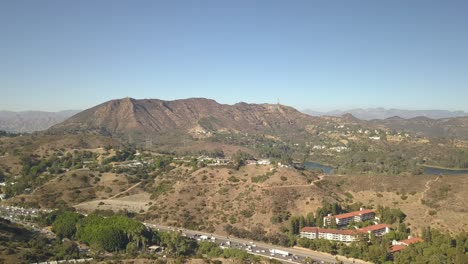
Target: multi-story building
pixel 344 235
pixel 330 234
pixel 377 230
pixel 345 219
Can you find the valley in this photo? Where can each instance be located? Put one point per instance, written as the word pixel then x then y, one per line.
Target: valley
pixel 247 171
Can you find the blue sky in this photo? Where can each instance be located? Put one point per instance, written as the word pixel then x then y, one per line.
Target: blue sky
pixel 322 55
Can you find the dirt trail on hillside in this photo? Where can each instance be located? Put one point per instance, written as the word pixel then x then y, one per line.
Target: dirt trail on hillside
pixel 428 187
pixel 115 196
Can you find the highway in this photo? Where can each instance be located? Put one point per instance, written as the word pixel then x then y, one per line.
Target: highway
pixel 297 255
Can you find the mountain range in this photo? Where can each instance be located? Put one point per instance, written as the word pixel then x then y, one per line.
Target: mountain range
pixel 383 113
pixel 131 118
pixel 146 117
pixel 31 121
pixel 141 119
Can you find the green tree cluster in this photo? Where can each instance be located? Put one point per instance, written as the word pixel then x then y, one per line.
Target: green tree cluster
pixel 436 248
pixel 112 233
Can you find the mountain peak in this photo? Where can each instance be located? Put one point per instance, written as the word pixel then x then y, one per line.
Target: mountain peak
pixel 153 116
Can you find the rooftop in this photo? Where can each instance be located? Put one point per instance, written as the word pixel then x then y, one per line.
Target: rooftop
pixel 412 240
pixel 352 214
pixel 396 248
pixel 373 228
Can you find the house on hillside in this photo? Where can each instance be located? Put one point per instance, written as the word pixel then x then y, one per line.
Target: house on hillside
pixel 402 244
pixel 264 162
pixel 251 162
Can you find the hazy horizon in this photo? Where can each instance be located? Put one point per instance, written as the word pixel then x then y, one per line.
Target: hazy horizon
pixel 300 109
pixel 74 55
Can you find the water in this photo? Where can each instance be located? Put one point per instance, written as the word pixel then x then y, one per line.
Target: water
pixel 427 170
pixel 312 165
pixel 437 171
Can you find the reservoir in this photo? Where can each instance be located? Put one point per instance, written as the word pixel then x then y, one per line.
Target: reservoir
pixel 438 171
pixel 427 170
pixel 313 165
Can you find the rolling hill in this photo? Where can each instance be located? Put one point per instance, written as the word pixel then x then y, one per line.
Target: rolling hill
pixel 456 127
pixel 383 113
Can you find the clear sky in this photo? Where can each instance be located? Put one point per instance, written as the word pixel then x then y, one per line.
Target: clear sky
pixel 323 55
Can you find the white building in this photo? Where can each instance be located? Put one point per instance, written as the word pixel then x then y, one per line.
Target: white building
pixel 330 234
pixel 344 235
pixel 263 162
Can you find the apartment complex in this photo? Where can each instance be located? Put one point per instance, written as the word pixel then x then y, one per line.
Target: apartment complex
pixel 344 235
pixel 329 234
pixel 345 219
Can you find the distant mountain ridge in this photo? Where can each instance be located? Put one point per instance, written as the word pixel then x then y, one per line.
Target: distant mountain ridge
pixel 383 113
pixel 31 121
pixel 143 119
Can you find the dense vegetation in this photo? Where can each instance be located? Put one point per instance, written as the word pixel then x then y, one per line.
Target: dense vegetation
pixel 111 233
pixel 438 248
pixel 120 234
pixel 20 245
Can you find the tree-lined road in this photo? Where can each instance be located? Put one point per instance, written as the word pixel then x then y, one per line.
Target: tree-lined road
pixel 297 255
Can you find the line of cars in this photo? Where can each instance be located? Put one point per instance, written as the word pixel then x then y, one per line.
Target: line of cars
pixel 226 242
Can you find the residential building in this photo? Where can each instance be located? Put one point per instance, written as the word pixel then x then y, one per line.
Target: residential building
pixel 251 162
pixel 263 162
pixel 329 234
pixel 345 219
pixel 377 230
pixel 402 244
pixel 344 235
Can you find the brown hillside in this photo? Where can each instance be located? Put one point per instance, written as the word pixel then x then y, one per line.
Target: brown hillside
pixel 151 116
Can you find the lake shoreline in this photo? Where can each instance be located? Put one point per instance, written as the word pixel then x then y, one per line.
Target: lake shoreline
pixel 310 165
pixel 444 168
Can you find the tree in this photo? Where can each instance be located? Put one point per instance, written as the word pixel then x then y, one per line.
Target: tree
pixel 65 224
pixel 239 158
pixel 66 250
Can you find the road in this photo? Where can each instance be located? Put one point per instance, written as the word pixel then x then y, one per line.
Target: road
pixel 18 214
pixel 262 249
pixel 297 255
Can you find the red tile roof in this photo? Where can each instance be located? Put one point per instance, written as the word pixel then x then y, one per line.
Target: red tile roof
pixel 396 248
pixel 351 214
pixel 412 240
pixel 373 228
pixel 309 229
